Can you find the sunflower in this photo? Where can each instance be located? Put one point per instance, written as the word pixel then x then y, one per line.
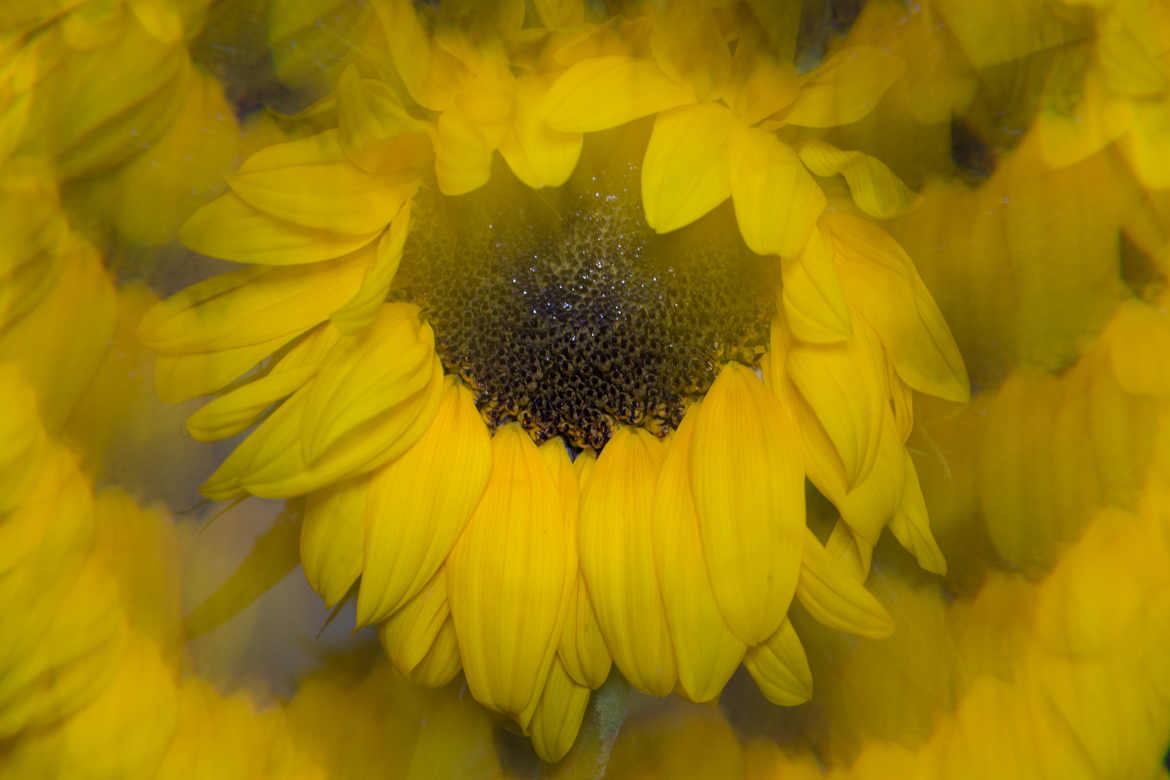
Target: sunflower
pixel 553 410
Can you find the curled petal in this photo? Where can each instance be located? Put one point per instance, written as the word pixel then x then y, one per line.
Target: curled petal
pixel 617 559
pixel 875 188
pixel 777 202
pixel 780 668
pixel 911 523
pixel 845 88
pixel 748 482
pixel 507 578
pixel 409 531
pixel 705 648
pixel 603 92
pixel 883 285
pixel 831 594
pixel 685 171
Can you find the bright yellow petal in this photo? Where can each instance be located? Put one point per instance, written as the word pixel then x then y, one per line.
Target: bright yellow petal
pixel 685 171
pixel 761 85
pixel 884 287
pixel 617 559
pixel 271 461
pixel 250 306
pixel 230 229
pixel 238 409
pixel 911 524
pixel 507 578
pixel 776 201
pixel 704 647
pixel 537 154
pixel 845 88
pixel 748 482
pixel 604 92
pixel 332 538
pixel 366 374
pixel 409 531
pixel 417 632
pixel 361 310
pixel 463 159
pixel 311 184
pixel 811 295
pixel 557 717
pixel 846 385
pixel 875 188
pixel 375 131
pixel 1137 337
pixel 830 593
pixel 430 74
pixel 780 668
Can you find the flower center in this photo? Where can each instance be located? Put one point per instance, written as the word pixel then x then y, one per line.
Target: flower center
pixel 563 310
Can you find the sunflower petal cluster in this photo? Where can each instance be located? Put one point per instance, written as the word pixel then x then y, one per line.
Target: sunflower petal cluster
pixel 674 559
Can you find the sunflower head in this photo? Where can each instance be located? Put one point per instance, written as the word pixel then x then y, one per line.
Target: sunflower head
pixel 553 409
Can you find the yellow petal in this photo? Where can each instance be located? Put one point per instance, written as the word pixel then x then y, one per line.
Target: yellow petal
pixel 812 297
pixel 555 14
pixel 875 188
pixel 429 73
pixel 22 441
pixel 845 88
pixel 537 154
pixel 761 85
pixel 776 201
pixel 748 483
pixel 557 717
pixel 705 649
pixel 507 578
pixel 230 229
pixel 1145 144
pixel 409 531
pixel 1137 338
pixel 332 538
pixel 365 375
pixel 159 18
pixel 617 559
pixel 463 159
pixel 361 310
pixel 780 668
pixel 311 184
pixel 604 92
pixel 179 377
pixel 831 594
pixel 416 636
pixel 271 462
pixel 884 287
pixel 847 386
pixel 871 504
pixel 998 31
pixel 375 130
pixel 688 45
pixel 238 409
pixel 250 306
pixel 911 524
pixel 685 171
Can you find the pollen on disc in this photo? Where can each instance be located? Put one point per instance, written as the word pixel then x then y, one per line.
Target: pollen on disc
pixel 563 310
